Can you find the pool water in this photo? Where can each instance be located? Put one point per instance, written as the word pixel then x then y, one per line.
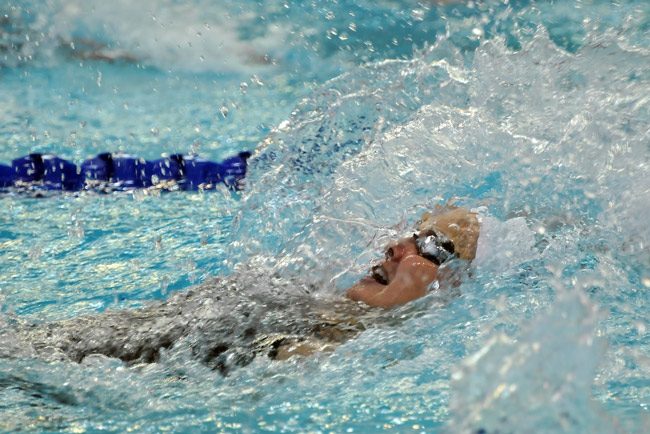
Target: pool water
pixel 362 115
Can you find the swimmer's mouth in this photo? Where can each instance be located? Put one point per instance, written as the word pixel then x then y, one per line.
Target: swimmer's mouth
pixel 379 274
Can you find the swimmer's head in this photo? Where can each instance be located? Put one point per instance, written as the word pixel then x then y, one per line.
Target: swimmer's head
pixel 442 235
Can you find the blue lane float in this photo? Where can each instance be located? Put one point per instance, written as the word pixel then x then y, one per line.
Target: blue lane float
pixel 121 172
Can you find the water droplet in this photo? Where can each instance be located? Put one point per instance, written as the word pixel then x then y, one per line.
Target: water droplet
pixel 417 14
pixel 329 16
pixel 352 27
pixel 76 230
pixel 256 80
pixel 164 284
pixel 243 87
pixel 35 252
pixel 224 111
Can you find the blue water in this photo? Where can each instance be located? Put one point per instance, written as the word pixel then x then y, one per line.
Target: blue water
pixel 362 114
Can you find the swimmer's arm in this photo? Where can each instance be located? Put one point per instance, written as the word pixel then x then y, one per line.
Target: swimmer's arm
pixel 365 289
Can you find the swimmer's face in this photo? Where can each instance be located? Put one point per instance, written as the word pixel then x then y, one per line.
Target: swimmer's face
pixel 385 271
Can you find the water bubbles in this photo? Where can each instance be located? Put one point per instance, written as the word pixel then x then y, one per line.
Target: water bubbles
pixel 352 27
pixel 243 87
pixel 223 110
pixel 255 79
pixel 640 328
pixel 76 231
pixel 418 14
pixel 35 252
pixel 164 284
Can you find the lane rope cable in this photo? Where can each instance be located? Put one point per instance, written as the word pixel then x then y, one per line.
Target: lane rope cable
pixel 109 172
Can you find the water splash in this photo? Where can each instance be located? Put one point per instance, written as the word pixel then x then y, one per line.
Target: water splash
pixel 437 129
pixel 540 382
pixel 538 126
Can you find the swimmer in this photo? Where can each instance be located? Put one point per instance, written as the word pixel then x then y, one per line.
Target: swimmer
pixel 230 321
pixel 411 265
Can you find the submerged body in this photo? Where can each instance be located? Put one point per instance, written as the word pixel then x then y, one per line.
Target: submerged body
pixel 229 321
pixel 219 323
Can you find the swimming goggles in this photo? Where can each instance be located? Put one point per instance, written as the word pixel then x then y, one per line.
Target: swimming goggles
pixel 435 247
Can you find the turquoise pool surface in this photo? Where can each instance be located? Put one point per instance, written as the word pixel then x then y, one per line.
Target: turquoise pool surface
pixel 361 115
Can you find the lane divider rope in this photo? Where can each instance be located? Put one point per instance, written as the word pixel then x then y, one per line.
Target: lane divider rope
pixel 120 172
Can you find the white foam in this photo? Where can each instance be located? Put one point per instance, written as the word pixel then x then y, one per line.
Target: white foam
pixel 539 383
pixel 504 244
